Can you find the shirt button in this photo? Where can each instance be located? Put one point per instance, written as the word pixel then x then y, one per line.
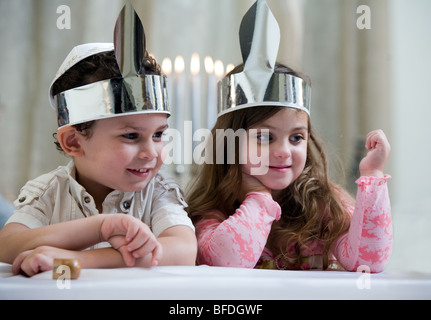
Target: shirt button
pixel 87 199
pixel 126 205
pixel 22 199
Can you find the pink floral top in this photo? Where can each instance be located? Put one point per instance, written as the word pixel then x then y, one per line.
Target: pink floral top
pixel 239 240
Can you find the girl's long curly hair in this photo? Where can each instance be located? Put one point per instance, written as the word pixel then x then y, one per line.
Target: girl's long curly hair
pixel 313 207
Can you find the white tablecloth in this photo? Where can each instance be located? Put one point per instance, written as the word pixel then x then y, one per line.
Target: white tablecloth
pixel 214 283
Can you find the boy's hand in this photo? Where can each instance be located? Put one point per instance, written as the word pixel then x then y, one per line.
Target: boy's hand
pixel 374 162
pixel 131 237
pixel 41 259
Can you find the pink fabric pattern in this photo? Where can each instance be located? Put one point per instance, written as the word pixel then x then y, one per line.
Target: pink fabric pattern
pixel 369 241
pixel 239 240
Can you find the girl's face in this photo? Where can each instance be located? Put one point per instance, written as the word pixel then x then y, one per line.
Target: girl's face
pixel 123 153
pixel 281 142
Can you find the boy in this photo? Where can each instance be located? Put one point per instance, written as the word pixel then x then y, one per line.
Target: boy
pixel 113 132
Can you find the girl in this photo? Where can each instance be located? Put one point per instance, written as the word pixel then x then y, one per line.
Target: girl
pixel 292 216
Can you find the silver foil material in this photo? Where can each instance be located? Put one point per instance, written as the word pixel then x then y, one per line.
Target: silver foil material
pixel 129 42
pixel 258 84
pixel 235 93
pixel 135 92
pixel 110 98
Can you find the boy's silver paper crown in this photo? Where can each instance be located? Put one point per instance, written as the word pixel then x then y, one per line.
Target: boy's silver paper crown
pixel 134 92
pixel 258 84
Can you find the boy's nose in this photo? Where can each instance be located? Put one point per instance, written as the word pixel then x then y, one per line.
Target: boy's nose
pixel 148 151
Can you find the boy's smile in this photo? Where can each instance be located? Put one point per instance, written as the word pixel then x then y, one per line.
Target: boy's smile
pixel 139 172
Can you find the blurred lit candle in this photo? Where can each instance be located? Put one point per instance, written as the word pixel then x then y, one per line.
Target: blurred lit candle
pixel 219 70
pixel 167 70
pixel 229 68
pixel 196 91
pixel 211 85
pixel 179 108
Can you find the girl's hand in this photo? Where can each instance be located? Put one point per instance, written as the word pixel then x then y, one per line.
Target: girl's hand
pixel 131 237
pixel 252 184
pixel 41 259
pixel 374 162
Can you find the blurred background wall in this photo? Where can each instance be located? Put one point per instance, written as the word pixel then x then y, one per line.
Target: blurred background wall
pixel 363 79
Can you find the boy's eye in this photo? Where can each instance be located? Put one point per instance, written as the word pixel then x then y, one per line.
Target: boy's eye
pixel 131 136
pixel 158 135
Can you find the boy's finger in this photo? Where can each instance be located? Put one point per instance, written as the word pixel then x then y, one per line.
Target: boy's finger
pixel 141 240
pixel 144 249
pixel 132 228
pixel 128 258
pixel 148 247
pixel 157 255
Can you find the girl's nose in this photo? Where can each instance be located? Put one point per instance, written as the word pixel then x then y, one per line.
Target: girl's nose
pixel 282 149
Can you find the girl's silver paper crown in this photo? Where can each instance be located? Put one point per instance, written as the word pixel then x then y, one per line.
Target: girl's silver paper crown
pixel 258 84
pixel 134 92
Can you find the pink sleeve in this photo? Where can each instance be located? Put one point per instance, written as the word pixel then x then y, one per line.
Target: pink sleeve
pixel 369 240
pixel 239 240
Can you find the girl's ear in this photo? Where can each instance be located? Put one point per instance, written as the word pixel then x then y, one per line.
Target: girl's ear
pixel 69 139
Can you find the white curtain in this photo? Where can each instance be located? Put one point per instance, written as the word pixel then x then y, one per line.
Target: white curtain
pixel 33 47
pixel 32 50
pixel 210 27
pixel 362 80
pixel 349 68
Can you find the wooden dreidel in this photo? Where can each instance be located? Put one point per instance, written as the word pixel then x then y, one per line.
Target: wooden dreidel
pixel 66 269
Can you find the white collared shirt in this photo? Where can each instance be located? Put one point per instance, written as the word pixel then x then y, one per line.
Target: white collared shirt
pixel 57 197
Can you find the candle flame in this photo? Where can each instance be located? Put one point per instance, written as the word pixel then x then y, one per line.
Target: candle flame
pixel 229 68
pixel 179 64
pixel 195 66
pixel 167 66
pixel 209 65
pixel 219 68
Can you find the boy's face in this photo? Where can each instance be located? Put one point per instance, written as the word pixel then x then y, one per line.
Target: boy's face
pixel 123 153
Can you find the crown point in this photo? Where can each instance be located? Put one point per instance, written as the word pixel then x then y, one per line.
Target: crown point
pixel 129 41
pixel 259 37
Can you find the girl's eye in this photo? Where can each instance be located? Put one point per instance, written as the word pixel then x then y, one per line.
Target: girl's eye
pixel 131 136
pixel 296 139
pixel 264 137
